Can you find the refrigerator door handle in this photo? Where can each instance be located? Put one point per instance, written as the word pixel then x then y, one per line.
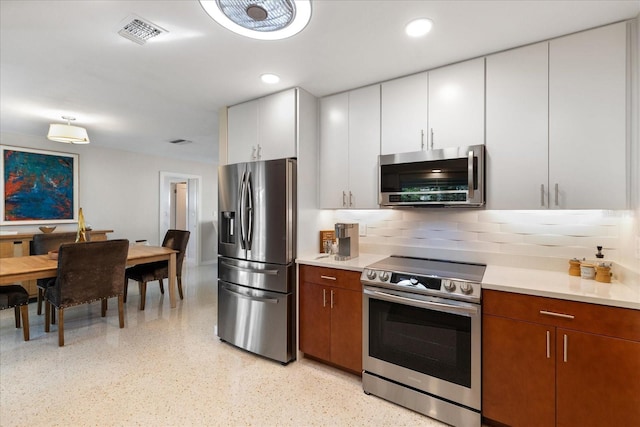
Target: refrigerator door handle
pixel 249 186
pixel 252 297
pixel 241 211
pixel 269 272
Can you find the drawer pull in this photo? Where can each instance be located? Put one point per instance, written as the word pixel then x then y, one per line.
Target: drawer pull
pixel 328 277
pixel 551 313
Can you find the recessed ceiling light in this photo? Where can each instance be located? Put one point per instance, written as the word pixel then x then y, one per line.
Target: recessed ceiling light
pixel 418 27
pixel 260 19
pixel 270 78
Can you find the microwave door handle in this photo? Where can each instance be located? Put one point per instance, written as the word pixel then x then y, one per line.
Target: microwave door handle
pixel 470 174
pixel 437 306
pixel 250 209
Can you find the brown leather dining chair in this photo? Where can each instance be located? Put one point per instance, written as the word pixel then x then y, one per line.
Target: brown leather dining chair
pixel 87 272
pixel 41 245
pixel 16 297
pixel 143 273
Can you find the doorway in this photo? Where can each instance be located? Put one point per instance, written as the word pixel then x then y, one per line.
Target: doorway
pixel 180 209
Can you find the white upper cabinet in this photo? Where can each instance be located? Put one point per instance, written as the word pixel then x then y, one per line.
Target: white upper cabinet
pixel 587 119
pixel 404 114
pixel 349 149
pixel 263 129
pixel 334 151
pixel 456 105
pixel 517 128
pixel 364 147
pixel 242 128
pixel 277 125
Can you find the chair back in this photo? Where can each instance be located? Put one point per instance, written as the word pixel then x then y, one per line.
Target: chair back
pixel 45 242
pixel 177 240
pixel 89 271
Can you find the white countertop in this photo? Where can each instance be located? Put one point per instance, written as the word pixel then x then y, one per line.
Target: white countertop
pixel 556 284
pixel 545 283
pixel 354 264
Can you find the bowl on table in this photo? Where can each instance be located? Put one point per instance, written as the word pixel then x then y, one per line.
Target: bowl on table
pixel 47 228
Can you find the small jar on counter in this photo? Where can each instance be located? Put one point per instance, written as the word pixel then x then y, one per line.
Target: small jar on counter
pixel 603 272
pixel 574 267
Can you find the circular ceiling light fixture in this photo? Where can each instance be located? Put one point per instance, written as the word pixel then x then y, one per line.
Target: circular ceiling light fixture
pixel 260 19
pixel 270 78
pixel 418 27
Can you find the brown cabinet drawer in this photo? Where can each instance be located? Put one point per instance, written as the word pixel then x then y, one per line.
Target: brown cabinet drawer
pixel 594 318
pixel 345 279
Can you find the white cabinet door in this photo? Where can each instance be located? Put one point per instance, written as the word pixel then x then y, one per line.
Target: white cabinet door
pixel 242 138
pixel 334 151
pixel 517 128
pixel 587 119
pixel 404 114
pixel 277 125
pixel 364 147
pixel 456 105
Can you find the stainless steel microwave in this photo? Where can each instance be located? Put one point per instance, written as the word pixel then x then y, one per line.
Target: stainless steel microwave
pixel 444 177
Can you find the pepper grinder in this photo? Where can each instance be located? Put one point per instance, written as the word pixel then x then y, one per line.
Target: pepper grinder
pixel 599 254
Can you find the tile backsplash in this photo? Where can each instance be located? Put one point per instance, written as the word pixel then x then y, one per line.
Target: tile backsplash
pixel 547 234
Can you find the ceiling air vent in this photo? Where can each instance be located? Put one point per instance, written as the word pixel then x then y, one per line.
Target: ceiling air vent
pixel 138 30
pixel 180 141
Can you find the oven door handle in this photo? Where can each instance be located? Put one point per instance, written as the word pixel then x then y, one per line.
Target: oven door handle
pixel 438 306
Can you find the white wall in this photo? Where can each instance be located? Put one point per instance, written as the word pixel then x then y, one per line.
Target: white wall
pixel 119 190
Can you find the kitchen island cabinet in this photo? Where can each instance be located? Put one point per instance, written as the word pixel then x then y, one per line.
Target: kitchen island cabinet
pixel 331 316
pixel 349 149
pixel 552 362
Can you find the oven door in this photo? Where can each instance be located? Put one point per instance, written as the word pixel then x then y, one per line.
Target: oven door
pixel 427 343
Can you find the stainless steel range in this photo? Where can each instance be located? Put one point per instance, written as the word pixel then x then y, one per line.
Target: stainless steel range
pixel 421 336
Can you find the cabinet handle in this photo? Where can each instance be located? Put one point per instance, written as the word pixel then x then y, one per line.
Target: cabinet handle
pixel 350 199
pixel 566 348
pixel 542 195
pixel 328 277
pixel 432 138
pixel 548 345
pixel 422 139
pixel 324 297
pixel 332 303
pixel 344 199
pixel 259 152
pixel 551 313
pixel 253 152
pixel 556 200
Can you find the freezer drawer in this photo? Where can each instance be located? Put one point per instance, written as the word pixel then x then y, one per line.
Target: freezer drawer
pixel 261 322
pixel 270 277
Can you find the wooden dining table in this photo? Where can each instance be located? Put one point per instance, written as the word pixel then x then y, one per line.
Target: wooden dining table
pixel 17 269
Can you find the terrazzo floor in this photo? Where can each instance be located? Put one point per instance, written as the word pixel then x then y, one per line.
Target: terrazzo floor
pixel 167 368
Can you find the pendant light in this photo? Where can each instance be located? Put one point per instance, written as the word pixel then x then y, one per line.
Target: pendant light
pixel 67 133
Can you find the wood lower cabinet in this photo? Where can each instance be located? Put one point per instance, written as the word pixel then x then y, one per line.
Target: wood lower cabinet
pixel 549 362
pixel 331 316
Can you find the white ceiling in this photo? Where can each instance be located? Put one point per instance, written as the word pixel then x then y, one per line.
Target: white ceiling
pixel 66 58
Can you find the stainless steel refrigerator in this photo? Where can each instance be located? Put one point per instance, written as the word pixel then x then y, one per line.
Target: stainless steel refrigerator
pixel 256 254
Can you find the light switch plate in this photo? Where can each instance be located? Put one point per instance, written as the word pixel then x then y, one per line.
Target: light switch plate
pixel 362 229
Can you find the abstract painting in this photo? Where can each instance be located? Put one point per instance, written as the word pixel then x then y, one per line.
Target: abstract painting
pixel 38 186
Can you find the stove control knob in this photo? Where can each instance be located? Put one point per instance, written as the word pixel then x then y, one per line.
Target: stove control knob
pixel 466 288
pixel 384 276
pixel 449 285
pixel 371 274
